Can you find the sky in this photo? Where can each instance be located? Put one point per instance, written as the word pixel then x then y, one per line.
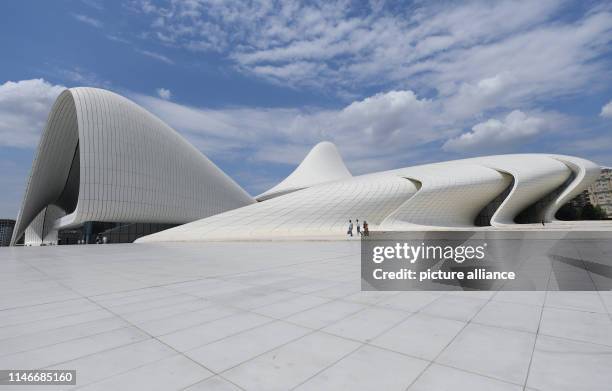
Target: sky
pixel 256 84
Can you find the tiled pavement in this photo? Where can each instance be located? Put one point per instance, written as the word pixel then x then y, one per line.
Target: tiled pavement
pixel 230 316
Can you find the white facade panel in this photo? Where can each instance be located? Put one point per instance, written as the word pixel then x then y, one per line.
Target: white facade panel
pixel 319 211
pixel 322 164
pixel 133 167
pixel 450 195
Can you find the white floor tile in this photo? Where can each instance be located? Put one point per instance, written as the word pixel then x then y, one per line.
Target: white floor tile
pixel 366 324
pixel 292 306
pixel 455 307
pixel 99 366
pixel 510 315
pixel 560 365
pixel 236 349
pixel 291 364
pixel 368 368
pixel 582 326
pixel 421 335
pixel 171 373
pixel 499 353
pixel 325 314
pixel 581 301
pixel 197 336
pixel 442 378
pixel 215 383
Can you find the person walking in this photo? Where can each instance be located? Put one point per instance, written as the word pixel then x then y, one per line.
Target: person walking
pixel 358 227
pixel 366 230
pixel 350 229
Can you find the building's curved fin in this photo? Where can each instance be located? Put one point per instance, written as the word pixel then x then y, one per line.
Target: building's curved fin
pixel 50 168
pixel 534 176
pixel 322 164
pixel 584 174
pixel 41 229
pixel 449 196
pixel 484 217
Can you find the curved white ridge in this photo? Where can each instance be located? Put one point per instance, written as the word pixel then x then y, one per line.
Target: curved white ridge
pixel 447 195
pixel 534 177
pixel 450 196
pixel 585 173
pixel 322 164
pixel 132 167
pixel 41 229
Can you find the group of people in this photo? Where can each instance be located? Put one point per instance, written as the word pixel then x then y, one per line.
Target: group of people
pixel 360 232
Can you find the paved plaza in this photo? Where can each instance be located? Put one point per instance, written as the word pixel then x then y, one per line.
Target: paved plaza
pixel 283 315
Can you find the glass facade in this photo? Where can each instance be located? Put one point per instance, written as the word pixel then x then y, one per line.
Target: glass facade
pixel 6 231
pixel 105 232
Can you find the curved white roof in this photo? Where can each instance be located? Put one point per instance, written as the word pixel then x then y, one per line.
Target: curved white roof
pixel 322 164
pixel 101 157
pixel 445 195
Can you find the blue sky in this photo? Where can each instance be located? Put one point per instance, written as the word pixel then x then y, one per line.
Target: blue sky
pixel 254 85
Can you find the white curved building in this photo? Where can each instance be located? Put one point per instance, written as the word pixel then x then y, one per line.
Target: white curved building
pixel 493 192
pixel 102 158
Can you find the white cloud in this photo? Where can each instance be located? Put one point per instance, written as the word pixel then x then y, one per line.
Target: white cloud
pixel 472 60
pixel 382 131
pixel 449 47
pixel 164 93
pixel 88 20
pixel 388 127
pixel 495 135
pixel 606 110
pixel 24 107
pixel 157 56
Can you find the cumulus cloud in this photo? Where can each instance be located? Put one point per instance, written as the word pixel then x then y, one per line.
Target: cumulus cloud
pixel 606 110
pixel 24 107
pixel 164 93
pixel 472 60
pixel 383 125
pixel 495 135
pixel 383 131
pixel 88 20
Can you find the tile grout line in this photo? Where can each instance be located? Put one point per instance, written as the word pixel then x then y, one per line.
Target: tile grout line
pixel 449 343
pixel 535 342
pixel 144 332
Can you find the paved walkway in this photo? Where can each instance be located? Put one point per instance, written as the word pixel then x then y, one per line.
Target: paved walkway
pixel 229 316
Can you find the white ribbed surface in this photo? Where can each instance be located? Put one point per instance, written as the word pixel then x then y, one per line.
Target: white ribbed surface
pixel 322 164
pixel 534 177
pixel 322 210
pixel 51 165
pixel 451 195
pixel 41 229
pixel 133 167
pixel 585 173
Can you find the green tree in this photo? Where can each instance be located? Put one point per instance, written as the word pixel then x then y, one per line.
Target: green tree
pixel 590 212
pixel 568 213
